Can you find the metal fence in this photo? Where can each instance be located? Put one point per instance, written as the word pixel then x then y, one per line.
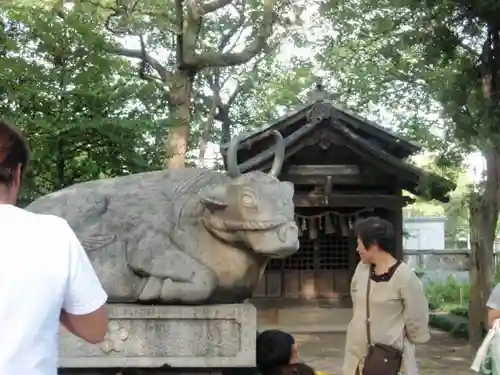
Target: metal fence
pixel 449 258
pixel 437 258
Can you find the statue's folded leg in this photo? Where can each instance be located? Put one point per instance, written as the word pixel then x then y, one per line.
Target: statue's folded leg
pixel 172 275
pixel 176 277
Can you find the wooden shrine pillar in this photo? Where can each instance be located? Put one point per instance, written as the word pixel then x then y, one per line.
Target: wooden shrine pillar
pixel 396 218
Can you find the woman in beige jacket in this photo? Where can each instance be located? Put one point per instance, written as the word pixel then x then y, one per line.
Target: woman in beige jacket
pixel 399 312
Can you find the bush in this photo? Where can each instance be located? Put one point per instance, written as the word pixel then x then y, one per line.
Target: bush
pixel 452 297
pixel 445 323
pixel 462 311
pixel 448 294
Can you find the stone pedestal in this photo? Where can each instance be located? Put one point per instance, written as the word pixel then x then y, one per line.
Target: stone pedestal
pixel 159 337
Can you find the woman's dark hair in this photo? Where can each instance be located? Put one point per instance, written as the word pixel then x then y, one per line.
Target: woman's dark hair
pixel 376 231
pixel 14 151
pixel 291 369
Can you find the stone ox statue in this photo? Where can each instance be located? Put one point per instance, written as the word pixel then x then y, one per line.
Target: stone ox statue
pixel 185 236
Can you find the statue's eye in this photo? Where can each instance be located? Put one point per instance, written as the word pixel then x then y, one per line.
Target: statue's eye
pixel 248 201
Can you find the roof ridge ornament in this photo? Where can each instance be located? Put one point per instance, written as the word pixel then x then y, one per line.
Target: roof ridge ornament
pixel 321 106
pixel 319 93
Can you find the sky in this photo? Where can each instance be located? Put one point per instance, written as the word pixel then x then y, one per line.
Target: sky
pixel 475 163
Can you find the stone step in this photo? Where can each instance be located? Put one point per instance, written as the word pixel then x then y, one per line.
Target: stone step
pixel 303 316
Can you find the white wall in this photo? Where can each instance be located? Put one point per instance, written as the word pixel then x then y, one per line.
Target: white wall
pixel 423 233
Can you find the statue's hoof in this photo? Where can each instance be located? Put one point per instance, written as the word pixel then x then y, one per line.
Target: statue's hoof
pixel 166 289
pixel 152 289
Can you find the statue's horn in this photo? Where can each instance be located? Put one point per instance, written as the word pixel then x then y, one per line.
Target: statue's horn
pixel 232 156
pixel 233 170
pixel 279 154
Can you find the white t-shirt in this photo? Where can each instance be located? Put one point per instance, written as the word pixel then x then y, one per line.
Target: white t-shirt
pixel 43 269
pixel 494 300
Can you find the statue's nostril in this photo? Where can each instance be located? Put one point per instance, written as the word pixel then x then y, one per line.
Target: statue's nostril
pixel 287 231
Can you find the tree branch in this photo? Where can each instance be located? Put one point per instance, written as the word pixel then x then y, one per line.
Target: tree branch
pixel 145 67
pixel 102 6
pixel 467 48
pixel 213 5
pixel 191 32
pixel 125 9
pixel 143 55
pixel 260 37
pixel 234 29
pixel 246 84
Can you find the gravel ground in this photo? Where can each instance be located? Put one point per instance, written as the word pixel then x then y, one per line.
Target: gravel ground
pixel 442 355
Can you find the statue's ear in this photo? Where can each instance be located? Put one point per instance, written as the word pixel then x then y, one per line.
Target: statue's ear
pixel 213 204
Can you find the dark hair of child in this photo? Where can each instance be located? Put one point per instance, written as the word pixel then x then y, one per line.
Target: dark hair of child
pixel 274 348
pixel 291 369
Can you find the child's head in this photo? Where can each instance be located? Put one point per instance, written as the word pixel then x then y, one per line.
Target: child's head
pixel 292 369
pixel 275 348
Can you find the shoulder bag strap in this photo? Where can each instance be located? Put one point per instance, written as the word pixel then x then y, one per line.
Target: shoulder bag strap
pixel 368 285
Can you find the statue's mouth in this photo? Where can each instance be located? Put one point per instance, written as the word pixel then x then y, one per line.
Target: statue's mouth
pixel 252 225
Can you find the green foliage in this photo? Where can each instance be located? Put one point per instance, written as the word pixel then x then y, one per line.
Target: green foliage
pixel 448 293
pixel 449 300
pixel 462 311
pixel 84 112
pixel 217 51
pixel 418 64
pixel 457 214
pixel 279 92
pixel 448 324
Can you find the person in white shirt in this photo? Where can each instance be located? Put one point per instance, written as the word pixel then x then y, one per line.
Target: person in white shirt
pixel 46 277
pixel 493 305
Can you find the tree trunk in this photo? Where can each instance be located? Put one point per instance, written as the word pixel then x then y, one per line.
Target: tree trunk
pixel 176 141
pixel 483 216
pixel 226 124
pixel 484 208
